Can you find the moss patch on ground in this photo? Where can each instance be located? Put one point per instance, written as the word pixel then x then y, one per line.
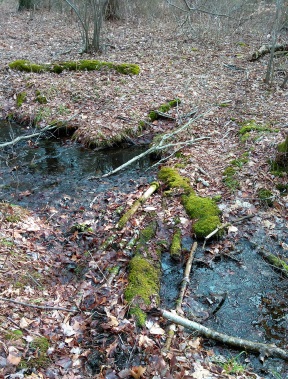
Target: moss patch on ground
pixel 248 126
pixel 82 65
pixel 203 210
pixel 164 108
pixel 265 196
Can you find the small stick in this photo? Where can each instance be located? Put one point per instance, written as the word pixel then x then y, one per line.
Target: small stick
pixel 223 226
pixel 45 307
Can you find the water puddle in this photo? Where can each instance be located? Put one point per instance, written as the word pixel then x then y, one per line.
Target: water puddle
pixel 39 172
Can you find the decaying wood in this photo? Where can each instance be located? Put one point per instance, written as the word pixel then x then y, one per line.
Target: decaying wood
pixel 172 328
pixel 224 226
pixel 266 49
pixel 274 260
pixel 136 205
pixel 265 350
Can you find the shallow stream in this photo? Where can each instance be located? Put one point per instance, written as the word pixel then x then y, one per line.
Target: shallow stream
pixel 57 172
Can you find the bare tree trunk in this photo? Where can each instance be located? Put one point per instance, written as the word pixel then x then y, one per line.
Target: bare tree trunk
pixel 275 32
pixel 113 10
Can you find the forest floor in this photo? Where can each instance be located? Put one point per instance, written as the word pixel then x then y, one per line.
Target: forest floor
pixel 227 90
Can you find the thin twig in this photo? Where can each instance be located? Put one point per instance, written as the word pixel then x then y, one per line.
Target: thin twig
pixel 45 307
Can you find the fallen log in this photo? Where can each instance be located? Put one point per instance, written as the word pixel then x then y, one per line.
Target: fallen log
pixel 266 49
pixel 137 203
pixel 265 350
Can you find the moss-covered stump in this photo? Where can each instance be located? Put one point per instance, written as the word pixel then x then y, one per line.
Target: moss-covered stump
pixel 203 210
pixel 164 108
pixel 144 276
pixel 282 155
pixel 82 65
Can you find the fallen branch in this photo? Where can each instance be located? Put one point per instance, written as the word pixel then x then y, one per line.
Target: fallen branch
pixel 278 263
pixel 162 145
pixel 47 128
pixel 265 350
pixel 172 328
pixel 137 203
pixel 29 136
pixel 45 307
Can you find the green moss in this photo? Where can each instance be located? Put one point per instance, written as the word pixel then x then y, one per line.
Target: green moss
pixel 265 196
pixel 196 207
pixel 206 225
pixel 39 346
pixel 203 209
pixel 83 65
pixel 173 179
pixel 24 65
pixel 41 99
pixel 217 198
pixel 13 335
pixel 229 178
pixel 143 281
pixel 20 98
pixel 164 108
pixel 81 228
pixel 147 233
pixel 281 159
pixel 199 207
pixel 251 125
pixel 175 248
pixel 140 316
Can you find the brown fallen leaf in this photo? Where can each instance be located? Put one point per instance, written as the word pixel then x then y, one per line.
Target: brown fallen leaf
pixel 137 371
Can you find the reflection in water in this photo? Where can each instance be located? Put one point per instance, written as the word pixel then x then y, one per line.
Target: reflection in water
pixel 38 165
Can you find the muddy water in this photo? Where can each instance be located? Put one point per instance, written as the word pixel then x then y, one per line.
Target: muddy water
pixel 57 173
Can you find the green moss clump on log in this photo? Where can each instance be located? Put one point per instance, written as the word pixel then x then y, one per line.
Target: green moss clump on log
pixel 175 248
pixel 164 108
pixel 144 277
pixel 203 210
pixel 82 65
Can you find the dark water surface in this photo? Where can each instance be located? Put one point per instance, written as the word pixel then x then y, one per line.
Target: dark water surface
pixel 47 169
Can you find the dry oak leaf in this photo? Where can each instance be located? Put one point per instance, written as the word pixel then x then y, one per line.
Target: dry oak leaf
pixel 137 371
pixel 14 356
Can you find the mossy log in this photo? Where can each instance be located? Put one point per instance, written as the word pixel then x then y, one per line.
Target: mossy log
pixel 203 210
pixel 144 276
pixel 278 263
pixel 266 49
pixel 82 65
pixel 131 211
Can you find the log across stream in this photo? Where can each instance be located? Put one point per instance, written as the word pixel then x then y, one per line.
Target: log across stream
pixel 57 172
